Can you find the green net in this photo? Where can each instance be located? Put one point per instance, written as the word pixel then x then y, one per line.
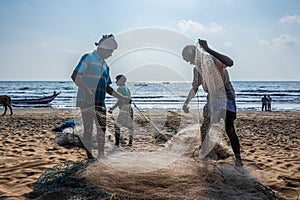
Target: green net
pixel 62 182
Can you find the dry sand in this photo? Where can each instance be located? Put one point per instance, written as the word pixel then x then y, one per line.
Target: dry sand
pixel 269 142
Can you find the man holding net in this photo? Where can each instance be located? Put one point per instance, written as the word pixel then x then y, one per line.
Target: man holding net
pixel 91 75
pixel 210 72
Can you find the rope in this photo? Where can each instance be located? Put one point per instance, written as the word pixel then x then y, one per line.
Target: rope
pixel 158 136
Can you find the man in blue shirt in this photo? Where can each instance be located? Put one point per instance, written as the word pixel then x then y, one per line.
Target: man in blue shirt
pixel 91 75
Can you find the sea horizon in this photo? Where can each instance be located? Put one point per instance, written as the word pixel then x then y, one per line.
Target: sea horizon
pixel 168 95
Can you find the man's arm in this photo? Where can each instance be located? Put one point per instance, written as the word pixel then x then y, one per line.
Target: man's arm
pixel 190 96
pixel 88 94
pixel 223 58
pixel 116 94
pixel 114 106
pixel 193 90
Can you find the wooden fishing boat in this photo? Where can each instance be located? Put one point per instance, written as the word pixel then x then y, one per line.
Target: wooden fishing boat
pixel 42 100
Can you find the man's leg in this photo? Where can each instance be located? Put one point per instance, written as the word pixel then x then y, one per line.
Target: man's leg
pixel 206 123
pixel 234 141
pixel 88 121
pixel 101 129
pixel 117 134
pixel 130 128
pixel 130 137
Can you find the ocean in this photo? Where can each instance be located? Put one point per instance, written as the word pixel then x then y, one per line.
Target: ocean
pixel 162 95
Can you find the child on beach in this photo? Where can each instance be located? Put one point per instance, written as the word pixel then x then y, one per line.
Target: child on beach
pixel 125 117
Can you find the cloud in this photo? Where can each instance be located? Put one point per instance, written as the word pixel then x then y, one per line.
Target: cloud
pixel 290 19
pixel 286 40
pixel 281 40
pixel 190 26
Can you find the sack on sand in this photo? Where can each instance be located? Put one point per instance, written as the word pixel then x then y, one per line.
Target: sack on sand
pixel 68 140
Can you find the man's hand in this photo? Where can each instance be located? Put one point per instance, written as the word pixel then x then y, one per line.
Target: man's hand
pixel 110 111
pixel 203 44
pixel 185 108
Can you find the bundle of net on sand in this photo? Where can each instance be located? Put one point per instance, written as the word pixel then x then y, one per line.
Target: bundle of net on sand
pixel 188 177
pixel 184 180
pixel 62 182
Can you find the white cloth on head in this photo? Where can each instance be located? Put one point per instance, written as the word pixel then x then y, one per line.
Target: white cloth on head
pixel 108 43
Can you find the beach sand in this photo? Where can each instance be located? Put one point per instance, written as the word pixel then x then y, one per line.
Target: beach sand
pixel 269 143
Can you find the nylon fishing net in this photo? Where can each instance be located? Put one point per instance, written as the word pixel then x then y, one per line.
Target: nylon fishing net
pixel 213 83
pixel 63 182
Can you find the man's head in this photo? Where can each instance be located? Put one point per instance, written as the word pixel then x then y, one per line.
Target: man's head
pixel 188 53
pixel 106 45
pixel 120 80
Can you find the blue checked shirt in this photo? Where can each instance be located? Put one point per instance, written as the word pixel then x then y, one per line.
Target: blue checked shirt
pixel 95 74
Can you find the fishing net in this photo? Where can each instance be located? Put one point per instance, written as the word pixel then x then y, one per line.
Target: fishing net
pixel 213 84
pixel 156 144
pixel 63 182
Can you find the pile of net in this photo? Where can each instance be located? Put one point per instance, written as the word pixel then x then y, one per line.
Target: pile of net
pixel 62 182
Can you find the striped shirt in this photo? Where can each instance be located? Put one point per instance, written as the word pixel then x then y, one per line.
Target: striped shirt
pixel 95 74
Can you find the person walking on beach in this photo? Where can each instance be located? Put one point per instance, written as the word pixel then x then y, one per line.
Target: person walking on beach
pixel 269 102
pixel 125 117
pixel 219 77
pixel 91 75
pixel 264 102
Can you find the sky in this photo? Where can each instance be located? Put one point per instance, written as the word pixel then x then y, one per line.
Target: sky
pixel 44 40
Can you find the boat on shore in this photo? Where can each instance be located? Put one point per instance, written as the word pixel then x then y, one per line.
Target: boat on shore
pixel 42 100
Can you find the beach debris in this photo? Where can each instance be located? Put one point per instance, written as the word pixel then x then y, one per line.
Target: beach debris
pixel 68 137
pixel 162 137
pixel 68 140
pixel 66 124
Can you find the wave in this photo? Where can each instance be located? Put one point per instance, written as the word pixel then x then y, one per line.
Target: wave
pixel 271 94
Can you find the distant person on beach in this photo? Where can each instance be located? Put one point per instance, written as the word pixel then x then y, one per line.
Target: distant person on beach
pixel 125 117
pixel 191 54
pixel 91 75
pixel 264 102
pixel 269 103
